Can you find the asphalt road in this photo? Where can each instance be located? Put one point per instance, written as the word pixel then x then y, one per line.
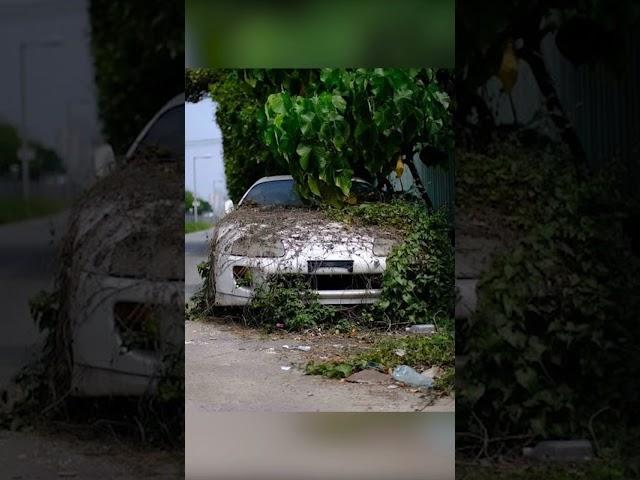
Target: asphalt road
pixel 195 251
pixel 27 266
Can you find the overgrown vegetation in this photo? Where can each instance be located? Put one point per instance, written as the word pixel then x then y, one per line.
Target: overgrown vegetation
pixel 419 352
pixel 128 97
pixel 552 348
pixel 149 186
pixel 288 305
pixel 418 283
pixel 323 126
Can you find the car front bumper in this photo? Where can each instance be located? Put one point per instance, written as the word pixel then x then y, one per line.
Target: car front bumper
pixel 102 363
pixel 229 293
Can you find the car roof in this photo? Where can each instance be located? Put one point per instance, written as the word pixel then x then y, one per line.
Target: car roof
pixel 274 178
pixel 174 102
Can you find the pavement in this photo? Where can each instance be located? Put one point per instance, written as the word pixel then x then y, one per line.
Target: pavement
pixel 226 371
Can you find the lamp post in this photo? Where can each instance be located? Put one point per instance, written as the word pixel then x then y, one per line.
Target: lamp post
pixel 25 153
pixel 195 194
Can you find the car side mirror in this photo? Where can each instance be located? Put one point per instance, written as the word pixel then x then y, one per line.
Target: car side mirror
pixel 104 160
pixel 228 206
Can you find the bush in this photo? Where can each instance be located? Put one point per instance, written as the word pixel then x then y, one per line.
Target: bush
pixel 287 305
pixel 138 63
pixel 555 334
pixel 418 283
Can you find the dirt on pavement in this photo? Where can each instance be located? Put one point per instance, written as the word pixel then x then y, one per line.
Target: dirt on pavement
pixel 232 368
pixel 43 455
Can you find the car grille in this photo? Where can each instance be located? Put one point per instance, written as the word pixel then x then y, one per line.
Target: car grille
pixel 314 265
pixel 360 281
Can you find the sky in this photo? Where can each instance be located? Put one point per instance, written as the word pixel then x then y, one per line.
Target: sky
pixel 203 144
pixel 60 106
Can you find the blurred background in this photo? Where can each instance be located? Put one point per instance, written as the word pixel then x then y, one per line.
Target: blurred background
pixel 329 33
pixel 204 176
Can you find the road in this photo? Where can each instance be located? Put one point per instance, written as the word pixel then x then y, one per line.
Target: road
pixel 27 265
pixel 229 371
pixel 195 251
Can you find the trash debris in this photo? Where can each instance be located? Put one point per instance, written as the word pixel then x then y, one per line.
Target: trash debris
pixel 424 329
pixel 434 372
pixel 407 375
pixel 369 376
pixel 270 350
pixel 560 451
pixel 337 345
pixel 392 386
pixel 286 369
pixel 303 348
pixel 279 325
pixel 401 352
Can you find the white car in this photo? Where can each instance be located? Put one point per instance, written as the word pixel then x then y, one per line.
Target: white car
pixel 272 234
pixel 123 283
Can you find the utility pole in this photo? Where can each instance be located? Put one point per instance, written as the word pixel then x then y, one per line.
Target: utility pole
pixel 25 152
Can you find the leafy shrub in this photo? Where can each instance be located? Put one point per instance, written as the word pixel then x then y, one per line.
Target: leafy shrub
pixel 418 283
pixel 555 335
pixel 355 121
pixel 138 64
pixel 288 305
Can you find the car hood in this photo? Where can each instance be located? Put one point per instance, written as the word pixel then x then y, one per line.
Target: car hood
pixel 300 230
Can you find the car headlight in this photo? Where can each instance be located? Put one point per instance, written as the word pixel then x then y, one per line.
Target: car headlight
pixel 142 255
pixel 382 246
pixel 258 248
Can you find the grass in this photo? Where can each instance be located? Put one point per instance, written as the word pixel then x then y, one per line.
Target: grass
pixel 419 352
pixel 190 227
pixel 17 209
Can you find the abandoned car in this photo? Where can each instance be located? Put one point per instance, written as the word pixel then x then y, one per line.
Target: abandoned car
pixel 273 235
pixel 123 277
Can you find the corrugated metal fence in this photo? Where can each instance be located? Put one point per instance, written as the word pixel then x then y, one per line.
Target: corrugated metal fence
pixel 603 106
pixel 440 184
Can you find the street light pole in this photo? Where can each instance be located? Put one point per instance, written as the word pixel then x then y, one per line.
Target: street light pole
pixel 24 153
pixel 195 194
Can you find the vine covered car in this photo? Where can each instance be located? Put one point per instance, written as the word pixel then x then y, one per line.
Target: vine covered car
pixel 273 234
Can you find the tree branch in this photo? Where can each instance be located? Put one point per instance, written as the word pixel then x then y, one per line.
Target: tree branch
pixel 533 56
pixel 408 154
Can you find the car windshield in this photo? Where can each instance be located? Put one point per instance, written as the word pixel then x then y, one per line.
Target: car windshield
pixel 283 193
pixel 275 192
pixel 167 132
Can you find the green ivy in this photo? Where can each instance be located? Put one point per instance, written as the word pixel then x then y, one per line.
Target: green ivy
pixel 418 283
pixel 555 335
pixel 288 305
